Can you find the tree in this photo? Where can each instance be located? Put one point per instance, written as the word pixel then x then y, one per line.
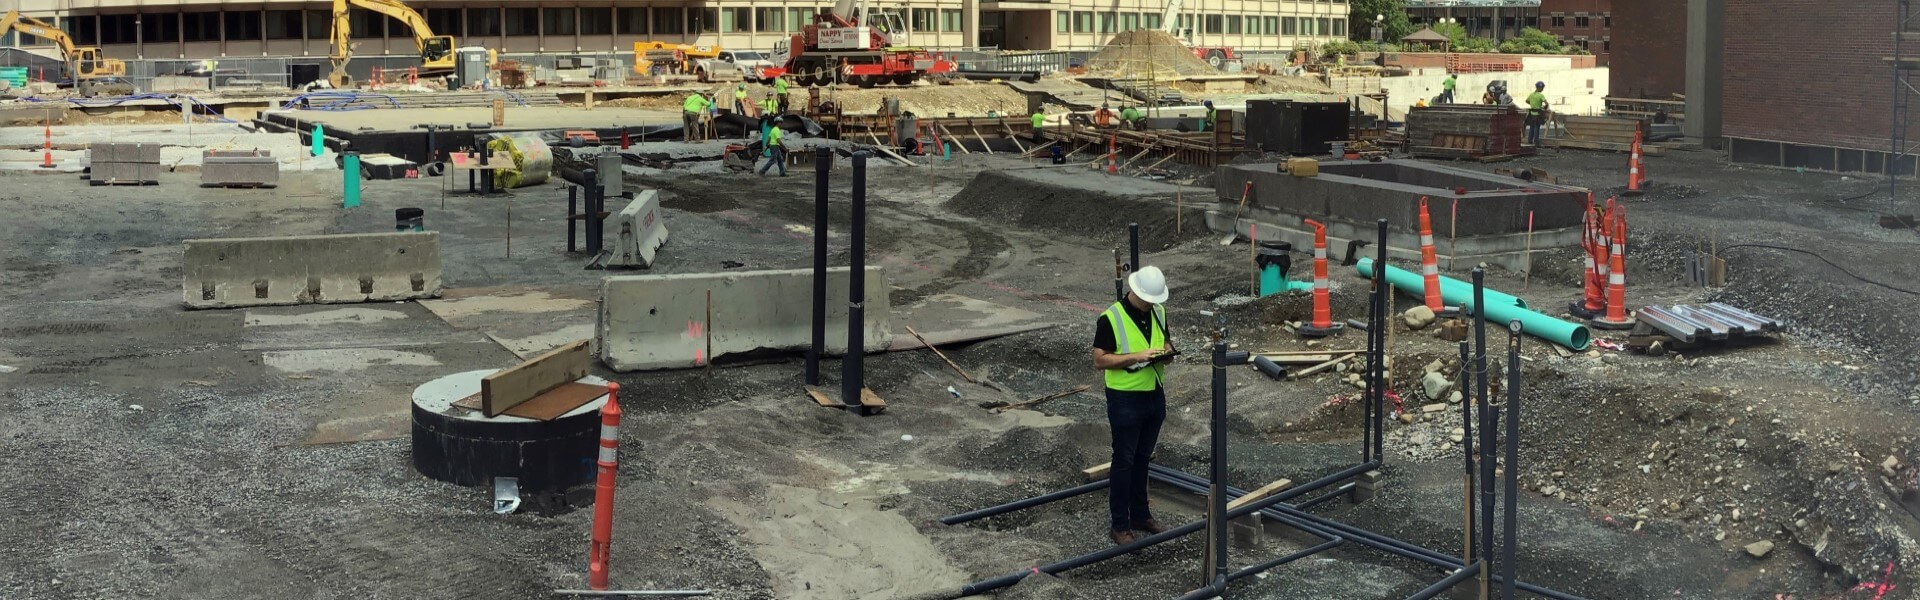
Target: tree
pixel 1395 11
pixel 1477 44
pixel 1455 32
pixel 1533 41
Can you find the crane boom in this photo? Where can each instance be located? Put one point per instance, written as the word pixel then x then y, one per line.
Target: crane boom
pixel 1169 19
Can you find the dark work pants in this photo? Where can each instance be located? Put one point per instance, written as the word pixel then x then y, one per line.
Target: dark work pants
pixel 1135 419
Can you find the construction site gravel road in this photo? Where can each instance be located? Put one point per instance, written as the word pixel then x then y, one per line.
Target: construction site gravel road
pixel 157 452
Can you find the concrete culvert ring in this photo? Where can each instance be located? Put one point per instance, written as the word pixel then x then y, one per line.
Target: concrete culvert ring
pixel 466 448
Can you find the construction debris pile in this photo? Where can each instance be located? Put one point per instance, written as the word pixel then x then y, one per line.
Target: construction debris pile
pixel 1150 54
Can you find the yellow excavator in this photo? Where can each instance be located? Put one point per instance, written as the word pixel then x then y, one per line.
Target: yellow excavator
pixel 93 74
pixel 436 51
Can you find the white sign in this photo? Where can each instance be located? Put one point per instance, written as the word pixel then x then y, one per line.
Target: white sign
pixel 845 38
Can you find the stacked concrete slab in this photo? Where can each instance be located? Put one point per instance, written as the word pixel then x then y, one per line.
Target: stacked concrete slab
pixel 125 163
pixel 679 321
pixel 311 269
pixel 239 168
pixel 1466 131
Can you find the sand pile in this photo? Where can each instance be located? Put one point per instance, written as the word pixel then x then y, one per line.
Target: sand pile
pixel 1147 53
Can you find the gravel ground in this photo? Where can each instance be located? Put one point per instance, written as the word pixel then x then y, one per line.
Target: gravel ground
pixel 159 454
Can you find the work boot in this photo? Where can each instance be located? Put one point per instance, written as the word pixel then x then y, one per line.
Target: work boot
pixel 1151 526
pixel 1121 537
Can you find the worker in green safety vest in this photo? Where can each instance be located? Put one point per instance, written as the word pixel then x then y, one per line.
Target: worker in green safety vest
pixel 1536 112
pixel 780 85
pixel 1039 118
pixel 1126 338
pixel 740 99
pixel 775 150
pixel 1133 118
pixel 1446 89
pixel 768 107
pixel 1212 114
pixel 691 111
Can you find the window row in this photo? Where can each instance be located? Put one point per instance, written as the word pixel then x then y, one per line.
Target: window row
pixel 93 30
pixel 1111 22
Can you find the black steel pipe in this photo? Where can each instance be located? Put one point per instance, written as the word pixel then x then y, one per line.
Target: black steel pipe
pixel 1443 585
pixel 1214 591
pixel 850 366
pixel 1466 450
pixel 1133 246
pixel 1380 327
pixel 1217 469
pixel 592 217
pixel 1170 474
pixel 1487 437
pixel 822 165
pixel 1336 493
pixel 573 215
pixel 1026 503
pixel 1513 460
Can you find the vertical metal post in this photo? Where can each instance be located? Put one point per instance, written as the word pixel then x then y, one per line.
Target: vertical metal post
pixel 1133 244
pixel 1466 451
pixel 1119 278
pixel 592 217
pixel 573 215
pixel 822 164
pixel 1511 530
pixel 1486 425
pixel 1379 329
pixel 850 367
pixel 1217 526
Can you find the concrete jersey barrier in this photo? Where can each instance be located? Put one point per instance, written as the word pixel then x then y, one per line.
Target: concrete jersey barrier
pixel 311 269
pixel 652 322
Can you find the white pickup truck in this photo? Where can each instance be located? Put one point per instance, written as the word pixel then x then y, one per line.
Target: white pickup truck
pixel 747 64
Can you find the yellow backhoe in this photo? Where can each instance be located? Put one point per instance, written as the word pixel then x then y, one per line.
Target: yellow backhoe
pixel 436 51
pixel 92 73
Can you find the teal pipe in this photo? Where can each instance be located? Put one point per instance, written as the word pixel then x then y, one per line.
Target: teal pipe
pixel 350 187
pixel 1272 281
pixel 1501 308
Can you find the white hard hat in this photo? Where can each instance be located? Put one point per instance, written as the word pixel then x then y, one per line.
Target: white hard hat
pixel 1149 284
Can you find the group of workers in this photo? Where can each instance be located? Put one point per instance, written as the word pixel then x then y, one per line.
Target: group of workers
pixel 697 109
pixel 1536 103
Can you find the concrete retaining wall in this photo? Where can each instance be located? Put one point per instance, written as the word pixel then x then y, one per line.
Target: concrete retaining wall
pixel 660 321
pixel 311 269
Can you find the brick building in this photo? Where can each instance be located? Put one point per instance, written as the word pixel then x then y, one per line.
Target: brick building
pixel 1825 105
pixel 1647 45
pixel 1585 24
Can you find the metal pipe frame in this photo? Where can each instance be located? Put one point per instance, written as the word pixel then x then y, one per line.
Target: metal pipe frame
pixel 851 364
pixel 822 165
pixel 1513 460
pixel 1336 493
pixel 1443 585
pixel 1026 503
pixel 1487 436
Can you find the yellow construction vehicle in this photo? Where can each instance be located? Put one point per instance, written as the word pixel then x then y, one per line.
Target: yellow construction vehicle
pixel 436 51
pixel 92 73
pixel 708 63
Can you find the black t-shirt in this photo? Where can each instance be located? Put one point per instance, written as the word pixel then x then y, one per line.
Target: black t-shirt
pixel 1103 330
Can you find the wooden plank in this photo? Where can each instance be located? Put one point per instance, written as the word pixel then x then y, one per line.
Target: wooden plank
pixel 1319 368
pixel 508 388
pixel 1302 359
pixel 955 138
pixel 1036 149
pixel 558 401
pixel 872 402
pixel 982 138
pixel 1256 495
pixel 1015 137
pixel 821 398
pixel 1645 149
pixel 1271 353
pixel 1096 472
pixel 942 355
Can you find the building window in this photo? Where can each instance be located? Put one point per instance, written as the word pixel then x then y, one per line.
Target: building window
pixel 1109 22
pixel 557 21
pixel 284 25
pixel 1340 27
pixel 596 20
pixel 633 20
pixel 1559 21
pixel 1153 21
pixel 1234 26
pixel 1582 22
pixel 736 20
pixel 84 29
pixel 522 21
pixel 201 26
pixel 1326 25
pixel 444 21
pixel 950 19
pixel 799 18
pixel 1289 26
pixel 118 29
pixel 1213 24
pixel 319 25
pixel 1063 21
pixel 922 19
pixel 771 19
pixel 481 22
pixel 703 20
pixel 1082 21
pixel 1606 46
pixel 242 25
pixel 1608 21
pixel 1186 24
pixel 367 24
pixel 669 20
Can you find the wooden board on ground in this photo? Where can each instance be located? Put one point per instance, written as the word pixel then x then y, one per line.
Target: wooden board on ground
pixel 1264 491
pixel 545 407
pixel 870 403
pixel 1097 472
pixel 1319 368
pixel 1645 149
pixel 510 387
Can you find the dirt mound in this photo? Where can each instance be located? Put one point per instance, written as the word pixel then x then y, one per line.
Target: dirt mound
pixel 1032 203
pixel 1147 53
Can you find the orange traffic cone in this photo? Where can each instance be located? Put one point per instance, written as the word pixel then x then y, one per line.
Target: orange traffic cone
pixel 1429 265
pixel 1322 324
pixel 1616 317
pixel 1111 167
pixel 46 149
pixel 1636 172
pixel 1593 300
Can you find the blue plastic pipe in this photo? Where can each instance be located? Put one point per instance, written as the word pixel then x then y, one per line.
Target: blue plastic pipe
pixel 1501 308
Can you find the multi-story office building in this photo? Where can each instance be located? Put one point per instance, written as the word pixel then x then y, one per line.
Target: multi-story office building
pixel 1494 19
pixel 214 28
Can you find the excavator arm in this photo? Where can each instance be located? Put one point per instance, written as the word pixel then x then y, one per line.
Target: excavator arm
pixel 436 51
pixel 14 21
pixel 83 63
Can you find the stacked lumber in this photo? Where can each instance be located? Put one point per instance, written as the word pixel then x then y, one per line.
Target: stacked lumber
pixel 1466 131
pixel 1599 133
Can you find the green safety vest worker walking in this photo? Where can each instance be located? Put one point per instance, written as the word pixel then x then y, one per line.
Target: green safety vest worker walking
pixel 691 111
pixel 1536 112
pixel 1126 338
pixel 780 85
pixel 775 151
pixel 1446 89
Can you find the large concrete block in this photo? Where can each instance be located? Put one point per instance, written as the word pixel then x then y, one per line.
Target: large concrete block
pixel 637 232
pixel 239 168
pixel 311 269
pixel 123 173
pixel 661 321
pixel 126 152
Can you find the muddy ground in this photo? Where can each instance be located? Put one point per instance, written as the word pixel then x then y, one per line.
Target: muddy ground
pixel 159 452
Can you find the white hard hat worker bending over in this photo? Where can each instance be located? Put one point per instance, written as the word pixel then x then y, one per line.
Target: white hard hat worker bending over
pixel 1126 339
